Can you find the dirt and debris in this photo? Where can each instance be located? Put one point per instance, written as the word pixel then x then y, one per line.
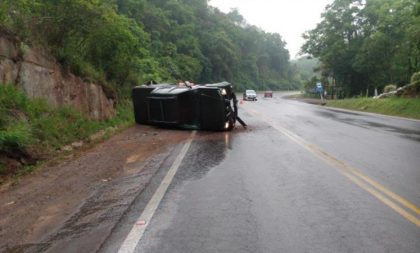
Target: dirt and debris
pixel 141 223
pixel 49 199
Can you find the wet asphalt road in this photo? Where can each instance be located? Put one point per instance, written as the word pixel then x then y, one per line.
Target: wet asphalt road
pixel 283 185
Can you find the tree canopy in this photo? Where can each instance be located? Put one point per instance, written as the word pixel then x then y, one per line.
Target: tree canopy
pixel 128 42
pixel 367 44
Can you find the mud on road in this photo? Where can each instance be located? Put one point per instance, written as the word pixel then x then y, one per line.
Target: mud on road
pixel 83 195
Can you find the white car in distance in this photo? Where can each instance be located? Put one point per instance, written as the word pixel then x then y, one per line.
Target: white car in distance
pixel 250 95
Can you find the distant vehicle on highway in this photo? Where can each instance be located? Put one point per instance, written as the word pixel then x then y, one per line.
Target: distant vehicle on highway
pixel 250 95
pixel 268 94
pixel 206 107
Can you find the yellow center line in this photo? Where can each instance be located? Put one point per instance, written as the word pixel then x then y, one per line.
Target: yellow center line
pixel 384 200
pixel 355 175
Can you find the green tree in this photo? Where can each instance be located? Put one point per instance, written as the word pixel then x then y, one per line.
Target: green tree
pixel 122 43
pixel 367 44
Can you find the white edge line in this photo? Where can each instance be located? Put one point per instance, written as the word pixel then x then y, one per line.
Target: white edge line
pixel 373 114
pixel 136 233
pixel 368 113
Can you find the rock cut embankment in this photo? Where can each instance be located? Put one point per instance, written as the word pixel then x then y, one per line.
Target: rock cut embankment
pixel 39 75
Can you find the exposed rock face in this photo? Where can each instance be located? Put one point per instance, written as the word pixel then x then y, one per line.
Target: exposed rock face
pixel 39 75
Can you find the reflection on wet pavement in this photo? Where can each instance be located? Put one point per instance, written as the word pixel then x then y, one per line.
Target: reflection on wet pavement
pixel 368 124
pixel 207 151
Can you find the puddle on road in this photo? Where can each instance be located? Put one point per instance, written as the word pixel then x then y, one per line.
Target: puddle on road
pixel 206 152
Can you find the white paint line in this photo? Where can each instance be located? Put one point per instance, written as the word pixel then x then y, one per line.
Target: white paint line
pixel 137 231
pixel 362 113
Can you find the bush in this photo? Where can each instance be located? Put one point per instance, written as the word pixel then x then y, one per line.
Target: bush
pixel 389 88
pixel 31 128
pixel 415 78
pixel 14 130
pixel 15 138
pixel 413 89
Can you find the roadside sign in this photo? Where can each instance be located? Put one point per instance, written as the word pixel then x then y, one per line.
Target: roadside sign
pixel 319 88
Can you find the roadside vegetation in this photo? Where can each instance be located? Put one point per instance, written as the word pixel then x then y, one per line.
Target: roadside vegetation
pixel 122 43
pixel 32 131
pixel 365 49
pixel 403 107
pixel 365 45
pixel 402 102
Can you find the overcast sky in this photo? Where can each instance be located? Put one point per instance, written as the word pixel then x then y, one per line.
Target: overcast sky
pixel 289 18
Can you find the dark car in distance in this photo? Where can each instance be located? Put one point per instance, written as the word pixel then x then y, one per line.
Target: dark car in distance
pixel 268 94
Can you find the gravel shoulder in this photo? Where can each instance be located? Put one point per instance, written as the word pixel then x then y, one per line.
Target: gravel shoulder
pixel 82 193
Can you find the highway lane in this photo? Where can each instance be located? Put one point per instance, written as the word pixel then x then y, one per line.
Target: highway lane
pixel 301 178
pixel 385 148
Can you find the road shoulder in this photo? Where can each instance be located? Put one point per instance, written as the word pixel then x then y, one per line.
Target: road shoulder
pixel 67 198
pixel 318 102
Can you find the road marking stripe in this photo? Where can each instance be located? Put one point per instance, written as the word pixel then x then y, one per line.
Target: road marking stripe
pixel 368 113
pixel 384 199
pixel 355 175
pixel 136 233
pixel 389 193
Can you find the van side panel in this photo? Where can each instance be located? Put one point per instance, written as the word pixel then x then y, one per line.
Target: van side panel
pixel 212 111
pixel 141 104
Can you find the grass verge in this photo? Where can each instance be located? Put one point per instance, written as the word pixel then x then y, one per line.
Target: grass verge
pixel 31 131
pixel 403 107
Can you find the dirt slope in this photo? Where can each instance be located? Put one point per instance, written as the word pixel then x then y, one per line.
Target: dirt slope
pixel 42 202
